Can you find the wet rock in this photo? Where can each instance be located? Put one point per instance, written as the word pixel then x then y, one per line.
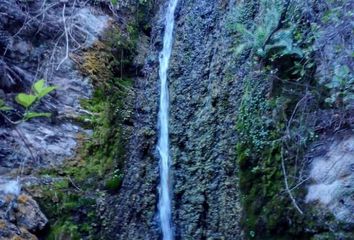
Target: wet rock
pixel 203 114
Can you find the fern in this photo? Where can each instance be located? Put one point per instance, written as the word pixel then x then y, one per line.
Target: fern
pixel 263 38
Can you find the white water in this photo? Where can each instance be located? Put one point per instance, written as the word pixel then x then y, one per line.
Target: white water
pixel 10 187
pixel 163 142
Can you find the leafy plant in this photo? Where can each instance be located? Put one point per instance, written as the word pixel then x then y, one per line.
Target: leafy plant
pixel 30 115
pixel 41 90
pixel 255 37
pixel 341 87
pixel 282 44
pixel 3 106
pixel 27 101
pixel 265 38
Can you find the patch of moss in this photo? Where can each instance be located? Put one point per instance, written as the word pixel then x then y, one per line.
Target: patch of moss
pixel 70 203
pixel 64 231
pixel 114 182
pixel 267 209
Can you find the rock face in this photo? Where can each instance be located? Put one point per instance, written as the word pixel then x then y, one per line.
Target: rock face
pixel 38 42
pixel 203 104
pixel 333 179
pixel 203 115
pixel 20 217
pixel 331 172
pixel 205 83
pixel 43 142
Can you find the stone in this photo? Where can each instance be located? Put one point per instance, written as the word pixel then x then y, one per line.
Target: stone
pixel 333 179
pixel 28 214
pixel 20 217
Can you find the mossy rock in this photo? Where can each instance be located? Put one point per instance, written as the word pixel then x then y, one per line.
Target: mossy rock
pixel 114 183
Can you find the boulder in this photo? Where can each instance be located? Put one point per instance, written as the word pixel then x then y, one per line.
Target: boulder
pixel 20 217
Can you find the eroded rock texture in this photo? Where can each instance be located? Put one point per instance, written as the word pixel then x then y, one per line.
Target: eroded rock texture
pixel 203 115
pixel 203 99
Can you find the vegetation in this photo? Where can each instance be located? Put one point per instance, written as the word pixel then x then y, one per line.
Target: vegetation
pixel 341 88
pixel 97 169
pixel 28 101
pixel 275 123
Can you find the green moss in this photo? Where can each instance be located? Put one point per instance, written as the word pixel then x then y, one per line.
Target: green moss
pixel 114 182
pixel 70 203
pixel 64 231
pixel 266 207
pixel 269 99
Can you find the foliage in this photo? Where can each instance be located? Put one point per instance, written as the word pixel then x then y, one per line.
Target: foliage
pixel 282 44
pixel 28 101
pixel 114 182
pixel 97 167
pixel 341 87
pixel 114 2
pixel 254 36
pixel 60 201
pixel 4 107
pixel 264 37
pixel 41 90
pixel 270 126
pixel 64 230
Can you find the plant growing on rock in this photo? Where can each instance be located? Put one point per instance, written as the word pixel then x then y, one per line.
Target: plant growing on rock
pixel 28 101
pixel 341 88
pixel 274 122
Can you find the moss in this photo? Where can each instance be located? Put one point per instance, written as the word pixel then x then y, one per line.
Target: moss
pixel 266 207
pixel 269 99
pixel 64 231
pixel 70 201
pixel 114 182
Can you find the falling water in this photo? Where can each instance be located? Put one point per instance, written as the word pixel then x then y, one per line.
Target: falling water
pixel 163 143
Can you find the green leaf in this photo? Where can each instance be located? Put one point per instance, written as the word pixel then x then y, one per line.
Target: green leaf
pixel 40 90
pixel 26 100
pixel 46 90
pixel 5 108
pixel 30 115
pixel 38 86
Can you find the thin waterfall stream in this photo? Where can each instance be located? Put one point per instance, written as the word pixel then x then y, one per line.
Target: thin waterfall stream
pixel 164 205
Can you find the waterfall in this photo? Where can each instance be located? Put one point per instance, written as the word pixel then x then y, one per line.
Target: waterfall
pixel 163 142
